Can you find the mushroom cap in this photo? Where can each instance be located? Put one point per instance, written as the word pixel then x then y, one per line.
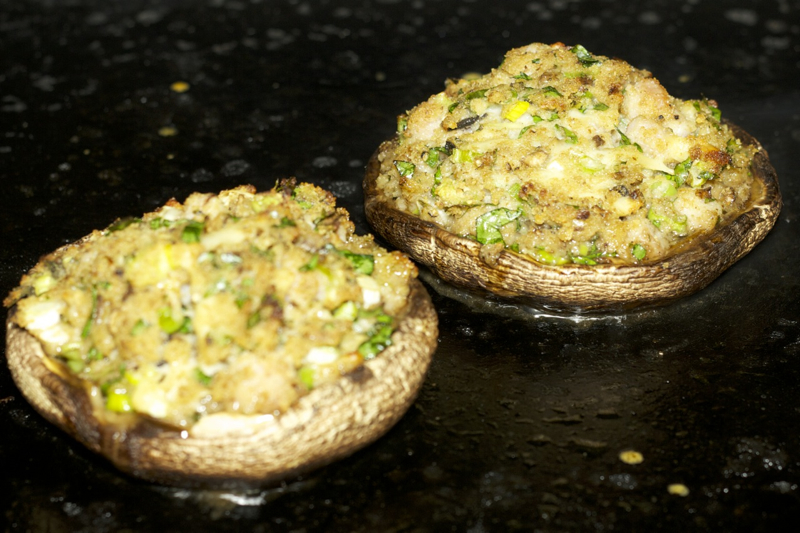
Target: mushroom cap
pixel 575 288
pixel 331 422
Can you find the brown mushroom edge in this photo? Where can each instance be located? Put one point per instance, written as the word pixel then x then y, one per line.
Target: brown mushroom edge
pixel 579 289
pixel 329 423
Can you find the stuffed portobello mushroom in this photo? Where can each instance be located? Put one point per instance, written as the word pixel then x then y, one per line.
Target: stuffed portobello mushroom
pixel 229 341
pixel 571 181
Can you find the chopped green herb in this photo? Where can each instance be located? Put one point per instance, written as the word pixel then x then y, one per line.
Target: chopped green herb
pixel 551 91
pixel 681 173
pixel 121 224
pixel 664 188
pixel 262 203
pixel 346 311
pixel 43 283
pixel 433 157
pixel 159 222
pixel 587 255
pixel 268 253
pixel 87 326
pixel 363 263
pixel 380 338
pixel 569 136
pixel 586 59
pixel 638 251
pixel 524 130
pixel 716 114
pixel 402 123
pixel 139 327
pixel 405 168
pixel 305 204
pixel 625 141
pixel 241 299
pixel 286 222
pixel 522 76
pixel 476 94
pixel 700 179
pixel 169 325
pixel 677 225
pixel 314 264
pixel 73 359
pixel 306 375
pixel 311 265
pixel 437 181
pixel 202 377
pixel 253 319
pixel 487 226
pixel 192 231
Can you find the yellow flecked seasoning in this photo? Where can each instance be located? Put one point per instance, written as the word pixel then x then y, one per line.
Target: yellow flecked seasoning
pixel 179 87
pixel 516 110
pixel 167 131
pixel 678 489
pixel 631 457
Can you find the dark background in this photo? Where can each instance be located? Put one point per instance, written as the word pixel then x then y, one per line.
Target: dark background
pixel 521 421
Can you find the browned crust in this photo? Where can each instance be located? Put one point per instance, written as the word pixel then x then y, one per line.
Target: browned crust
pixel 580 288
pixel 329 423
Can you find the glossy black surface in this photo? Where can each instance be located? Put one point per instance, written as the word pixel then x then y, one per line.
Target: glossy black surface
pixel 522 419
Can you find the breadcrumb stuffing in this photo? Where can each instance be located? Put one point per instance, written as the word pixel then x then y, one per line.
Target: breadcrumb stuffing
pixel 567 157
pixel 239 302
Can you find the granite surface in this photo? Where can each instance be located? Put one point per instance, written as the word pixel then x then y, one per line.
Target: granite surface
pixel 108 109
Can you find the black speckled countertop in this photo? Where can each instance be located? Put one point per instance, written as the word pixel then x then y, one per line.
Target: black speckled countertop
pixel 522 419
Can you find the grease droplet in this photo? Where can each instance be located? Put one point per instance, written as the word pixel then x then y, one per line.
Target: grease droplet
pixel 631 457
pixel 678 489
pixel 179 87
